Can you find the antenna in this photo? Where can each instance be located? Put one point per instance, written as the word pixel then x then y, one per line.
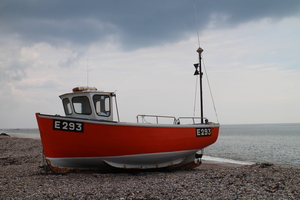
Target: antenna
pixel 196 20
pixel 200 73
pixel 87 72
pixel 198 65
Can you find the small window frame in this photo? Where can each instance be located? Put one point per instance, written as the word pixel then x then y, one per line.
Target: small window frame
pixel 102 105
pixel 84 103
pixel 67 106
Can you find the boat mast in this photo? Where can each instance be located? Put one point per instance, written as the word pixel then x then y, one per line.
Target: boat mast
pixel 199 72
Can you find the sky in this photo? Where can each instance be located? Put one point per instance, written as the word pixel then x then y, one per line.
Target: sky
pixel 145 51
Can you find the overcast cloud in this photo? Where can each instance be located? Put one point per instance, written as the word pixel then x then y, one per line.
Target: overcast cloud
pixel 133 24
pixel 144 49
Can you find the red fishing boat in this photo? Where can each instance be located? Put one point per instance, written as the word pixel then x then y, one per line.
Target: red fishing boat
pixel 88 137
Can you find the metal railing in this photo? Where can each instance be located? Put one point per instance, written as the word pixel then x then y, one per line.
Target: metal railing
pixel 159 118
pixel 193 119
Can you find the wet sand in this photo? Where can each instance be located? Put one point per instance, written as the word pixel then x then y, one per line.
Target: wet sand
pixel 21 178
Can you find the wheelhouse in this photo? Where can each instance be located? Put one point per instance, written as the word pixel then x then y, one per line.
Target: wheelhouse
pixel 88 103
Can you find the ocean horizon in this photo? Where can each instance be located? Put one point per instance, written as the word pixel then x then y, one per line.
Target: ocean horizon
pixel 277 144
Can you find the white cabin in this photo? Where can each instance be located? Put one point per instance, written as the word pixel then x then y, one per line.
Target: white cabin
pixel 88 103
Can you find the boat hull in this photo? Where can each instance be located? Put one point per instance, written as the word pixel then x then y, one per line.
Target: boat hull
pixel 81 144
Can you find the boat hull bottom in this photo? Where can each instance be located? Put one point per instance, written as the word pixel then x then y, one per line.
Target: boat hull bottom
pixel 169 160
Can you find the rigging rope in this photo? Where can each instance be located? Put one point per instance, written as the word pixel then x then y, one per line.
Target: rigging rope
pixel 211 96
pixel 195 100
pixel 197 27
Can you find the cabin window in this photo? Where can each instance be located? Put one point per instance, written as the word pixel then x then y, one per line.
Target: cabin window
pixel 102 105
pixel 67 106
pixel 82 105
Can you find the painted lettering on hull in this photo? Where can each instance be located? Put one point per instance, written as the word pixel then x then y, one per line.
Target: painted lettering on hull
pixel 72 126
pixel 202 132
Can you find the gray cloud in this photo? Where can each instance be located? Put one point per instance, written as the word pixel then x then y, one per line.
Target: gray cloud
pixel 133 23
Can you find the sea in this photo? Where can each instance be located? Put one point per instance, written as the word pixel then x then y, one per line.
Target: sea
pixel 277 144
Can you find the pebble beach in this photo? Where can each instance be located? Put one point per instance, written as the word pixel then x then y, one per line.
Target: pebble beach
pixel 22 178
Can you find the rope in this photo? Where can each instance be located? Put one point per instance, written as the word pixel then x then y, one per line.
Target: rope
pixel 197 27
pixel 195 100
pixel 211 96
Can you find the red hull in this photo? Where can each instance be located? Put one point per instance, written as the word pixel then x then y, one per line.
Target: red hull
pixel 109 139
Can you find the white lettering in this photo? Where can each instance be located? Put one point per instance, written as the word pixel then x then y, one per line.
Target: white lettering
pixel 57 124
pixel 65 125
pixel 71 126
pixel 78 127
pixel 203 132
